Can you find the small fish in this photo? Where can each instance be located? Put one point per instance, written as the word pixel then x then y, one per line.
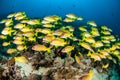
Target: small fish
pixel 24 21
pixel 19 14
pixel 45 22
pixel 48 38
pixel 9 22
pixel 3 37
pixel 50 19
pixel 18 37
pixel 88 76
pixel 18 42
pixel 32 38
pixel 34 22
pixel 116 52
pixel 58 42
pixel 72 16
pixel 70 28
pixel 77 59
pixel 66 35
pixel 92 23
pixel 11 51
pixel 68 20
pixel 114 47
pixel 86 46
pixel 11 15
pixel 95 56
pixel 106 32
pixel 38 30
pixel 39 47
pixel 105 66
pixel 105 41
pixel 29 34
pixel 67 49
pixel 97 44
pixel 106 37
pixel 89 40
pixel 19 26
pixel 94 32
pixel 86 34
pixel 7 31
pixel 82 28
pixel 106 28
pixel 21 59
pixel 58 32
pixel 21 47
pixel 3 21
pixel 26 29
pixel 6 43
pixel 21 17
pixel 104 52
pixel 46 31
pixel 57 18
pixel 48 25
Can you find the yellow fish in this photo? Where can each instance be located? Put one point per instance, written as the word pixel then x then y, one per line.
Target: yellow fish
pixel 21 59
pixel 38 30
pixel 19 38
pixel 82 28
pixel 24 21
pixel 95 56
pixel 21 47
pixel 3 21
pixel 68 49
pixel 11 50
pixel 19 14
pixel 94 32
pixel 86 34
pixel 77 59
pixel 39 47
pixel 9 22
pixel 26 29
pixel 58 32
pixel 48 25
pixel 34 22
pixel 68 20
pixel 45 22
pixel 46 31
pixel 89 40
pixel 21 17
pixel 18 42
pixel 49 18
pixel 86 46
pixel 19 26
pixel 66 35
pixel 116 52
pixel 11 15
pixel 3 37
pixel 6 43
pixel 106 28
pixel 29 34
pixel 58 42
pixel 97 44
pixel 73 16
pixel 105 66
pixel 7 31
pixel 48 38
pixel 88 76
pixel 92 23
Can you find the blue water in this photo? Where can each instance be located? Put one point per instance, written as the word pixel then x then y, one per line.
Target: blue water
pixel 103 12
